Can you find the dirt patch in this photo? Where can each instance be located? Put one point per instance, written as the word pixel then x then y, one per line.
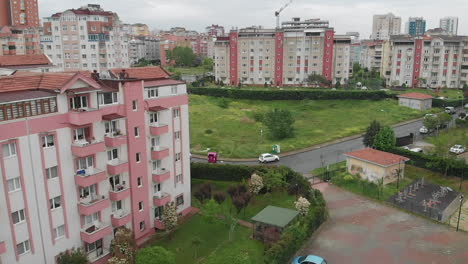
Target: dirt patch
pixel 247 120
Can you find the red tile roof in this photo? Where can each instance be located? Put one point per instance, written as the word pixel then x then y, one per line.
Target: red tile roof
pixel 376 156
pixel 152 72
pixel 415 96
pixel 24 60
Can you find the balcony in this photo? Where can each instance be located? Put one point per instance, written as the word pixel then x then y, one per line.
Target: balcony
pixel 89 176
pixel 161 199
pixel 120 218
pixel 120 192
pixel 158 153
pixel 84 116
pixel 84 148
pixel 2 247
pixel 117 167
pixel 158 129
pixel 93 204
pixel 113 141
pixel 95 232
pixel 161 175
pixel 158 224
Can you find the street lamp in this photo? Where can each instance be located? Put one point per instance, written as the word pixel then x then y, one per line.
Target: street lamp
pixel 459 212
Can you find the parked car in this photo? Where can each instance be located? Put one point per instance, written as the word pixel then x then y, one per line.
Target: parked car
pixel 309 259
pixel 429 115
pixel 457 149
pixel 441 98
pixel 405 147
pixel 267 157
pixel 466 106
pixel 450 110
pixel 416 150
pixel 423 130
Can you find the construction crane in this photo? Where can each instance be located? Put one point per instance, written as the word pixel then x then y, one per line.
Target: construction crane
pixel 277 13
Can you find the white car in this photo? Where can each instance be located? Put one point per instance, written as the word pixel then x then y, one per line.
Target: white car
pixel 429 115
pixel 457 149
pixel 416 150
pixel 423 130
pixel 267 157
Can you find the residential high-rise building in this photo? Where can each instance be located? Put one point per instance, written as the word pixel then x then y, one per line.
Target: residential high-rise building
pixel 416 26
pixel 82 155
pixel 383 26
pixel 87 38
pixel 144 48
pixel 449 24
pixel 215 31
pixel 19 40
pixel 285 56
pixel 20 13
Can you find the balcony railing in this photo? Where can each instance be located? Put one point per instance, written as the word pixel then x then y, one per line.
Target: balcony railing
pixel 86 148
pixel 158 152
pixel 160 175
pixel 161 199
pixel 157 129
pixel 119 192
pixel 79 117
pixel 120 218
pixel 93 204
pixel 95 232
pixel 117 166
pixel 113 140
pixel 89 176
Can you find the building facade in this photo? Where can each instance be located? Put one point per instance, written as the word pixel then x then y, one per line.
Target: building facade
pixel 19 13
pixel 449 24
pixel 383 26
pixel 144 48
pixel 20 41
pixel 82 155
pixel 287 56
pixel 87 38
pixel 416 26
pixel 215 31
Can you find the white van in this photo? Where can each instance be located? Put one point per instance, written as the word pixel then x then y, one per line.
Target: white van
pixel 450 110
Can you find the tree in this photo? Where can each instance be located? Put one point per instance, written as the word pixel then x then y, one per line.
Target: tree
pixel 219 197
pixel 155 255
pixel 302 205
pixel 279 123
pixel 182 56
pixel 317 80
pixel 371 132
pixel 208 64
pixel 385 139
pixel 74 256
pixel 211 211
pixel 255 183
pixel 338 85
pixel 170 216
pixel 123 247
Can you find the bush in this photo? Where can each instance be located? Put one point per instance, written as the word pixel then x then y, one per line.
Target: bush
pixel 208 131
pixel 443 103
pixel 268 95
pixel 72 257
pixel 280 123
pixel 223 103
pixel 258 116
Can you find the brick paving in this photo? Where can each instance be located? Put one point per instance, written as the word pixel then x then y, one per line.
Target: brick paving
pixel 361 231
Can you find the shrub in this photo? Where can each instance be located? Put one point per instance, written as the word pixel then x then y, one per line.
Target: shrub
pixel 280 123
pixel 302 205
pixel 219 197
pixel 74 256
pixel 348 177
pixel 255 184
pixel 208 131
pixel 223 103
pixel 258 116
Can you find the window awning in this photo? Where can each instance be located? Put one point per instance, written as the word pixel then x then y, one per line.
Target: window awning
pixel 111 117
pixel 157 108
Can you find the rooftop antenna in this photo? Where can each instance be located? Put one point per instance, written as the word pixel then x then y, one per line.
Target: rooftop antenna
pixel 277 13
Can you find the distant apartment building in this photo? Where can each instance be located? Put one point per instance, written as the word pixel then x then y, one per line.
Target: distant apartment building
pixel 144 48
pixel 83 155
pixel 383 26
pixel 215 31
pixel 19 40
pixel 140 30
pixel 449 24
pixel 416 26
pixel 87 38
pixel 19 13
pixel 286 56
pixel 434 60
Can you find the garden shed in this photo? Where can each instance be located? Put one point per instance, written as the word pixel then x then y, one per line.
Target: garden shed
pixel 271 221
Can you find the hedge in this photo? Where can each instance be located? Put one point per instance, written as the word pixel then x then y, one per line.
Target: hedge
pixel 269 95
pixel 443 103
pixel 431 162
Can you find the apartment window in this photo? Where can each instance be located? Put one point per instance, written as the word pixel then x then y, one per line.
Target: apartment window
pixel 93 28
pixel 177 135
pixel 108 98
pixel 112 154
pixel 55 202
pixel 176 113
pixel 9 150
pixel 23 247
pixel 140 206
pixel 85 163
pixel 142 225
pixel 81 134
pixel 177 156
pixel 52 172
pixel 18 216
pixel 180 200
pixel 174 89
pixel 152 92
pixel 89 193
pixel 78 102
pixel 14 184
pixel 64 27
pixel 135 105
pixel 48 141
pixel 59 232
pixel 140 181
pixel 138 157
pixel 137 131
pixel 158 212
pixel 90 219
pixel 94 249
pixel 179 178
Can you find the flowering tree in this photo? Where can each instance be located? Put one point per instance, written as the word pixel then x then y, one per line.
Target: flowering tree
pixel 170 216
pixel 123 247
pixel 302 205
pixel 255 183
pixel 74 256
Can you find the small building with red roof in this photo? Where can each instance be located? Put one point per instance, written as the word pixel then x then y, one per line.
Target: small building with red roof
pixel 373 165
pixel 418 101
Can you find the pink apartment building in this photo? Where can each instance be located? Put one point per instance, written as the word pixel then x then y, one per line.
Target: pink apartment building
pixel 82 154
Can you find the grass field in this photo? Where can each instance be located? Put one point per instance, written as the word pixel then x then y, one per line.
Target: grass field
pixel 188 70
pixel 234 133
pixel 452 136
pixel 447 93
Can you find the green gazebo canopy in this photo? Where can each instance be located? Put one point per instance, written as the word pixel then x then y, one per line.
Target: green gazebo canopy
pixel 275 216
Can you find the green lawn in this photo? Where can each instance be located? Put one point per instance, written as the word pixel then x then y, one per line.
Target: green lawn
pixel 233 132
pixel 188 70
pixel 452 136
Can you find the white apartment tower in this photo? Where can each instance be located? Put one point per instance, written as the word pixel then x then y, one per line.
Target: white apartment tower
pixel 449 24
pixel 383 26
pixel 87 38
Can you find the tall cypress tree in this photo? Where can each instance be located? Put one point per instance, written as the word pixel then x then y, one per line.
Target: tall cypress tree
pixel 371 132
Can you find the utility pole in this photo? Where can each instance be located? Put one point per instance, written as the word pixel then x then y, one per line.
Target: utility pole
pixel 459 212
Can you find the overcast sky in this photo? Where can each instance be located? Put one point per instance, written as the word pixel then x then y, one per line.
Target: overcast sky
pixel 344 15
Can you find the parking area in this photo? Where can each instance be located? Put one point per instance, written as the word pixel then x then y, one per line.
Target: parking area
pixel 360 231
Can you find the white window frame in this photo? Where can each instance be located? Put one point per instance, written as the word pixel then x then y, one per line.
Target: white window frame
pixel 142 225
pixel 137 132
pixel 138 157
pixel 59 232
pixel 177 135
pixel 88 191
pixel 174 89
pixel 140 182
pixel 21 216
pixel 14 184
pixel 114 96
pixel 90 219
pixel 154 118
pixel 176 113
pixel 85 163
pixel 179 178
pixel 83 102
pixel 141 207
pixel 177 156
pixel 23 247
pixel 48 141
pixel 50 172
pixel 152 92
pixel 9 150
pixel 135 105
pixel 112 154
pixel 110 127
pixel 53 202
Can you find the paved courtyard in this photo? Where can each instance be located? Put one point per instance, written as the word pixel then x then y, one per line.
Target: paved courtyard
pixel 360 231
